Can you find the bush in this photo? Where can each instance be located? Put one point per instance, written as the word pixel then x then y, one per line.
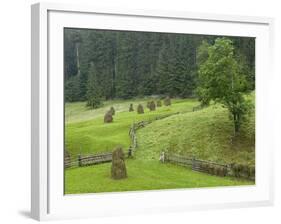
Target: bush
pixel 118 167
pixel 140 109
pixel 112 110
pixel 131 108
pixel 167 101
pixel 108 117
pixel 243 170
pixel 159 103
pixel 152 106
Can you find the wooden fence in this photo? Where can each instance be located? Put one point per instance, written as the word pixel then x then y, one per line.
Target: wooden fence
pixel 199 107
pixel 235 170
pixel 176 159
pixel 94 159
pixel 196 164
pixel 87 160
pixel 210 167
pixel 135 126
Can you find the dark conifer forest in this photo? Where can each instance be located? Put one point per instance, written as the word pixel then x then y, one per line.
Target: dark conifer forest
pixel 105 64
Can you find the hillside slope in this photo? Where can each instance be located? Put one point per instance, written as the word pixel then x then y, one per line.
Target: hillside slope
pixel 206 134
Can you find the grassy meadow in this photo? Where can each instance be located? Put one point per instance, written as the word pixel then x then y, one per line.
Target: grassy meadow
pixel 88 133
pixel 206 134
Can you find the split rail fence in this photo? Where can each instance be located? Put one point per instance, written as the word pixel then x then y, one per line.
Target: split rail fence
pixel 218 169
pixel 87 160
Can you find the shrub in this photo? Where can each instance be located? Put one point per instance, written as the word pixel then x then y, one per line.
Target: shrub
pixel 112 110
pixel 108 117
pixel 152 106
pixel 159 103
pixel 140 109
pixel 131 108
pixel 167 101
pixel 118 167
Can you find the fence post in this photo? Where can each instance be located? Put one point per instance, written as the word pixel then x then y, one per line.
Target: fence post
pixel 79 160
pixel 162 157
pixel 130 154
pixel 193 162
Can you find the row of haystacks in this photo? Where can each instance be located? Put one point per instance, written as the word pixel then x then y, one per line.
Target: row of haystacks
pixel 151 105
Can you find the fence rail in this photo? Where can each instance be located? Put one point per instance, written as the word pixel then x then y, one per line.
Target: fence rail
pixel 210 167
pixel 86 160
pixel 176 159
pixel 199 107
pixel 135 126
pixel 94 159
pixel 70 164
pixel 195 164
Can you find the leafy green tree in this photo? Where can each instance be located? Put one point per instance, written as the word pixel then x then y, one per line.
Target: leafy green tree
pixel 221 79
pixel 93 89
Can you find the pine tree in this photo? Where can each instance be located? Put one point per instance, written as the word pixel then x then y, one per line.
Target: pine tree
pixel 72 89
pixel 93 89
pixel 131 64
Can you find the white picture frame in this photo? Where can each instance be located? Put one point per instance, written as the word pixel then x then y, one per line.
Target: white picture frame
pixel 48 201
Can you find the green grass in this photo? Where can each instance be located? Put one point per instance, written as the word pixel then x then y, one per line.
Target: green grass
pixel 142 175
pixel 89 134
pixel 207 134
